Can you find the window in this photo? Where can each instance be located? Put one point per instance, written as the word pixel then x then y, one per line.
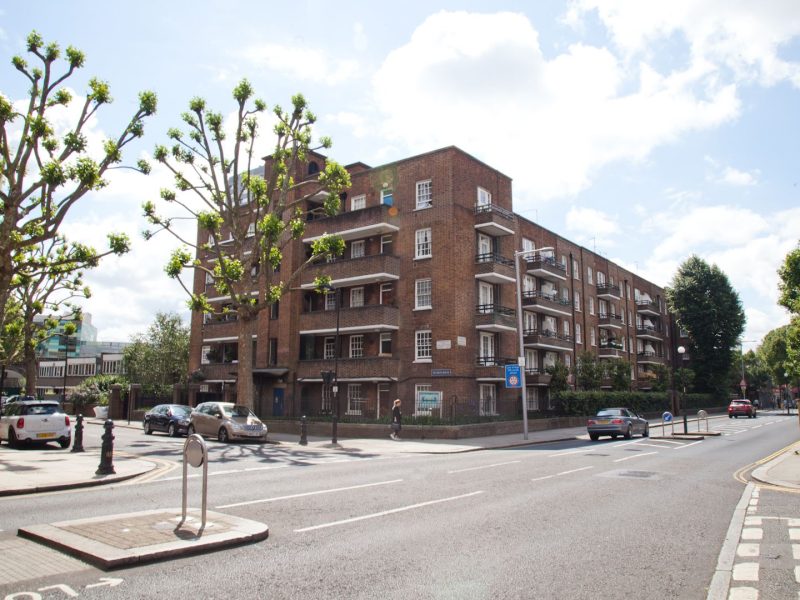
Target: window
pixel 424 194
pixel 528 283
pixel 578 334
pixel 591 305
pixel 488 403
pixel 485 247
pixel 528 245
pixel 386 344
pixel 358 202
pixel 387 197
pixel 386 293
pixel 565 295
pixel 589 278
pixel 593 337
pixel 386 244
pixel 274 310
pixel 424 346
pixel 418 389
pixel 251 230
pixel 355 400
pixel 422 296
pixel 565 328
pixel 531 360
pixel 487 349
pixel 529 321
pixel 272 359
pixel 484 197
pixel 357 249
pixel 485 297
pixel 601 278
pixel 423 249
pixel 330 299
pixel 356 346
pixel 209 279
pixel 357 297
pixel 329 351
pixel 577 301
pixel 564 262
pixel 204 360
pixel 532 398
pixel 326 399
pixel 568 360
pixel 628 290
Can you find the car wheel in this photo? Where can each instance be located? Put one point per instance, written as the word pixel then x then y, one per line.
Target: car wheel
pixel 12 438
pixel 222 435
pixel 730 416
pixel 190 430
pixel 63 443
pixel 629 433
pixel 148 428
pixel 171 431
pixel 646 432
pixel 613 436
pixel 594 437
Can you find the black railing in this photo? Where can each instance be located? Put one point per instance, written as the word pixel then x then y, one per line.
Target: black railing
pixel 494 361
pixel 494 208
pixel 545 259
pixel 548 333
pixel 531 294
pixel 495 309
pixel 493 257
pixel 607 288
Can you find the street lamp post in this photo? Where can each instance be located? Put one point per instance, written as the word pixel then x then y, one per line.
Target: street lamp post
pixel 335 386
pixel 681 400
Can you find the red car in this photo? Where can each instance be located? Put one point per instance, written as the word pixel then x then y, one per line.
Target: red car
pixel 742 408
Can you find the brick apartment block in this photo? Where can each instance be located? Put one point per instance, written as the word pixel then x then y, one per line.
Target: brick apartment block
pixel 428 303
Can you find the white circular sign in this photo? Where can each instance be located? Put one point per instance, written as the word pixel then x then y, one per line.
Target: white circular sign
pixel 195 450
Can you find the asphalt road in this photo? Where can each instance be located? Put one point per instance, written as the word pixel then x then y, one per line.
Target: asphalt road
pixel 613 519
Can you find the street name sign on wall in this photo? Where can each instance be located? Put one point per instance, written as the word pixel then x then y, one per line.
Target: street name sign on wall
pixel 513 376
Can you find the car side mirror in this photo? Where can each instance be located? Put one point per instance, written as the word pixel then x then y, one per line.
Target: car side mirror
pixel 218 415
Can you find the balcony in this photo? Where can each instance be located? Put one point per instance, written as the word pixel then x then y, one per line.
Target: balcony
pixel 647 307
pixel 349 272
pixel 549 304
pixel 649 332
pixel 494 220
pixel 493 317
pixel 547 339
pixel 353 319
pixel 493 268
pixel 368 368
pixel 610 321
pixel 220 371
pixel 610 350
pixel 650 357
pixel 353 225
pixel 545 267
pixel 492 367
pixel 537 376
pixel 606 290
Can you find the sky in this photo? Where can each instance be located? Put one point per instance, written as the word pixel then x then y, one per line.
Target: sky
pixel 645 131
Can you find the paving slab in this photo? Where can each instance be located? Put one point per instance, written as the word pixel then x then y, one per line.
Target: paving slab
pixel 116 541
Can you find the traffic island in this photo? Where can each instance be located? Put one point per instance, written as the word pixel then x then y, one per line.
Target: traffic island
pixel 116 541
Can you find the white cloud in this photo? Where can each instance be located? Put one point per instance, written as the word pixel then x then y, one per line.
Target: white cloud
pixel 591 224
pixel 729 175
pixel 302 63
pixel 360 40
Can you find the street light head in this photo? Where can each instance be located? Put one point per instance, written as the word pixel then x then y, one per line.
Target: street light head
pixel 681 349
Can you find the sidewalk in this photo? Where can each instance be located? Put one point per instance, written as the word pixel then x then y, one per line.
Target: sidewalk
pixel 114 541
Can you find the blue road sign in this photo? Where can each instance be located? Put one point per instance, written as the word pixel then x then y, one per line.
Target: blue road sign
pixel 513 376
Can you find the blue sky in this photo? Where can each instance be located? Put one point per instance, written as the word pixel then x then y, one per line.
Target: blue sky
pixel 646 131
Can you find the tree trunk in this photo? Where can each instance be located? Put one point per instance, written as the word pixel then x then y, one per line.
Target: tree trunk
pixel 244 375
pixel 29 361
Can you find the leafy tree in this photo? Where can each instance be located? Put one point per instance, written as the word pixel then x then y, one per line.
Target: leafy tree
pixel 588 371
pixel 661 382
pixel 94 390
pixel 256 217
pixel 709 309
pixel 44 172
pixel 159 358
pixel 619 372
pixel 559 372
pixel 773 353
pixel 790 298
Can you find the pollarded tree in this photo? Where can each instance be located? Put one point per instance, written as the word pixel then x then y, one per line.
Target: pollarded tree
pixel 708 308
pixel 159 358
pixel 246 220
pixel 44 172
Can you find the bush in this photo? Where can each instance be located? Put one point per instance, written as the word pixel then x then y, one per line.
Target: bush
pixel 95 390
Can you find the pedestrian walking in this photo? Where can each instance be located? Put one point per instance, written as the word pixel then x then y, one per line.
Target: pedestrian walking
pixel 397 417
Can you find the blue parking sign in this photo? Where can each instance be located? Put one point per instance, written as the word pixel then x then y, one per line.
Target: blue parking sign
pixel 513 376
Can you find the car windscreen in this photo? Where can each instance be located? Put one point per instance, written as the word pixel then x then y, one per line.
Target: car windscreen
pixel 613 412
pixel 43 409
pixel 181 411
pixel 237 410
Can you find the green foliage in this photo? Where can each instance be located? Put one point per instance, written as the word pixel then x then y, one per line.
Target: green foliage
pixel 588 371
pixel 580 403
pixel 709 309
pixel 159 358
pixel 559 372
pixel 789 285
pixel 96 390
pixel 619 372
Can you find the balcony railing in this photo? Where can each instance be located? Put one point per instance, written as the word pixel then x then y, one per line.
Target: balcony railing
pixel 648 306
pixel 610 320
pixel 547 338
pixel 493 257
pixel 606 289
pixel 545 266
pixel 495 209
pixel 494 361
pixel 495 309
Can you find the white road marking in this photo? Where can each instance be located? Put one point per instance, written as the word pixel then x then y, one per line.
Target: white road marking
pixel 754 520
pixel 794 523
pixel 794 534
pixel 796 551
pixel 797 574
pixel 721 581
pixel 541 478
pixel 687 445
pixel 743 593
pixel 571 452
pixel 752 533
pixel 653 445
pixel 634 456
pixel 511 462
pixel 748 550
pixel 574 470
pixel 386 512
pixel 316 493
pixel 745 572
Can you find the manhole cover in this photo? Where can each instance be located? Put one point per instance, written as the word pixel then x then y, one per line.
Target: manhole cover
pixel 631 474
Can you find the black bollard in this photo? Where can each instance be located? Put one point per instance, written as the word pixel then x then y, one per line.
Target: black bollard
pixel 303 431
pixel 107 451
pixel 77 445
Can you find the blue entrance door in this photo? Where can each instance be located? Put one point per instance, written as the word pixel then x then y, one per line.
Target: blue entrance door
pixel 277 402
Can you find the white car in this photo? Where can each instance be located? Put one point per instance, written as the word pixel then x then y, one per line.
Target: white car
pixel 35 421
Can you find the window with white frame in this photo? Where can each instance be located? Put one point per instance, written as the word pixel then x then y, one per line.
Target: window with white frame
pixel 593 336
pixel 357 296
pixel 550 359
pixel 630 318
pixel 564 263
pixel 488 399
pixel 528 245
pixel 531 360
pixel 329 348
pixel 326 404
pixel 528 321
pixel 424 194
pixel 385 344
pixel 591 305
pixel 484 197
pixel 568 361
pixel 423 245
pixel 418 390
pixel 356 346
pixel 485 247
pixel 355 399
pixel 385 295
pixel 357 249
pixel 251 230
pixel 209 279
pixel 577 301
pixel 330 300
pixel 358 202
pixel 549 325
pixel 487 349
pixel 565 328
pixel 422 294
pixel 528 283
pixel 578 334
pixel 601 278
pixel 565 295
pixel 485 297
pixel 532 397
pixel 386 244
pixel 387 196
pixel 576 272
pixel 589 277
pixel 112 366
pixel 423 348
pixel 204 360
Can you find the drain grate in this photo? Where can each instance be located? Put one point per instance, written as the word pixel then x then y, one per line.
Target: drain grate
pixel 632 474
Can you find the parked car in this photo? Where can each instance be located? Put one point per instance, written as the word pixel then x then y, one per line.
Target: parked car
pixel 171 418
pixel 742 408
pixel 227 421
pixel 18 398
pixel 35 421
pixel 615 422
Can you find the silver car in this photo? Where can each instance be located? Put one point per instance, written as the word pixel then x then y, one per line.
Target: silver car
pixel 226 421
pixel 616 422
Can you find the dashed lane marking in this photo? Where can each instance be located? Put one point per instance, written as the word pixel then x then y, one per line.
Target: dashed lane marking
pixel 634 456
pixel 315 493
pixel 511 462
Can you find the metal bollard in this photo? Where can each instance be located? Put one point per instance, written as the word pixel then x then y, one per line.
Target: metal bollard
pixel 303 431
pixel 107 451
pixel 77 445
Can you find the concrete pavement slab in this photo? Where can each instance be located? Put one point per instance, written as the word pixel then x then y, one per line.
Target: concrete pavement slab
pixel 115 541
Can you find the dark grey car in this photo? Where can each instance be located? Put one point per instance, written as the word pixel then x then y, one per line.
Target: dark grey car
pixel 616 422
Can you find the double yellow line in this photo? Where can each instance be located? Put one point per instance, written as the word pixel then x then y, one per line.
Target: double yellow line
pixel 741 476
